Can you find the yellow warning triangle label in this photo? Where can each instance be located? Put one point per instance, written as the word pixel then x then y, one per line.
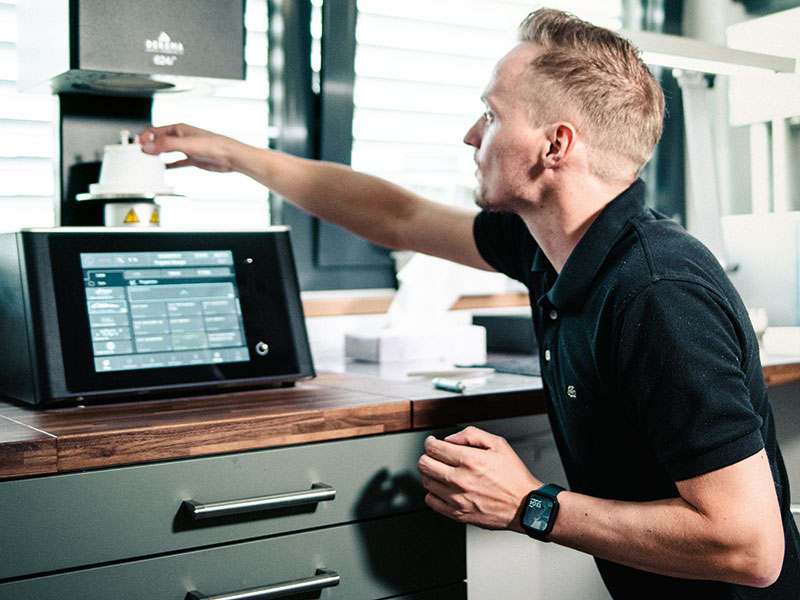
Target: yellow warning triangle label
pixel 154 218
pixel 131 217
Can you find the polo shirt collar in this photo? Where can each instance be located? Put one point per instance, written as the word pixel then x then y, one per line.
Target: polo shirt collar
pixel 582 266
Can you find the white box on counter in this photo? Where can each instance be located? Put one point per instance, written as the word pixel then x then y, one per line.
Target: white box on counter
pixel 781 341
pixel 453 344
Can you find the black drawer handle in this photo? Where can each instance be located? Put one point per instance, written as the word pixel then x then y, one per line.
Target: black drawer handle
pixel 319 492
pixel 322 579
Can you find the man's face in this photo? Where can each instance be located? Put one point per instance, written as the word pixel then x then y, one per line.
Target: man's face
pixel 506 145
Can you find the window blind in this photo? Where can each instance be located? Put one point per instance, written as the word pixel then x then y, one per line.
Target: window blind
pixel 28 143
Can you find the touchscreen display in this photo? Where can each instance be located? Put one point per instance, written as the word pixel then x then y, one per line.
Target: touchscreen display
pixel 163 309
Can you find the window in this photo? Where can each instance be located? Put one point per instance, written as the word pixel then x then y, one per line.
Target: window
pixel 26 134
pixel 239 111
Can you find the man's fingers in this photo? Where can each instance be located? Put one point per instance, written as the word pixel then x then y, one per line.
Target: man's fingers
pixel 440 451
pixel 433 468
pixel 155 140
pixel 445 451
pixel 472 436
pixel 438 487
pixel 436 503
pixel 185 162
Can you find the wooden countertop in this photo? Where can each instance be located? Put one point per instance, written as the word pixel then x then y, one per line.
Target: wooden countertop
pixel 779 372
pixel 331 406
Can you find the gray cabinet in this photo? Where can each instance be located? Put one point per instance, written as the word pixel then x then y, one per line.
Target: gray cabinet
pixel 347 517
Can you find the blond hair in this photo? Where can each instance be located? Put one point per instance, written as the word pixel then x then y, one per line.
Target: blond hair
pixel 597 80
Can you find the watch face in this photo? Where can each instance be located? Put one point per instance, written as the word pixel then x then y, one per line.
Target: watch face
pixel 537 512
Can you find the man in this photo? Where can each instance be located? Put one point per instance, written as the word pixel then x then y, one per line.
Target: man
pixel 650 366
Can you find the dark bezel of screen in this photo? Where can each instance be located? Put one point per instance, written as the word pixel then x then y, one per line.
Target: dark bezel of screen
pixel 265 278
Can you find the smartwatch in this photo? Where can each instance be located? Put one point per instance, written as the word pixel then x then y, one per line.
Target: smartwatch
pixel 540 510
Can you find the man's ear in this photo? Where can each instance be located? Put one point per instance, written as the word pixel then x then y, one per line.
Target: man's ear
pixel 561 139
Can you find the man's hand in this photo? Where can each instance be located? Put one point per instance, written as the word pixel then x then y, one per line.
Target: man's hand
pixel 476 477
pixel 203 149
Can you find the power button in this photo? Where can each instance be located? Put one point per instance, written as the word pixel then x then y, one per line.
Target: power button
pixel 262 348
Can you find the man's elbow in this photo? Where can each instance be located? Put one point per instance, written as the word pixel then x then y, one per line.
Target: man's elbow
pixel 759 562
pixel 767 568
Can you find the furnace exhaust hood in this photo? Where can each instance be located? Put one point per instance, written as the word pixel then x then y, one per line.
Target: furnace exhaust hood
pixel 129 47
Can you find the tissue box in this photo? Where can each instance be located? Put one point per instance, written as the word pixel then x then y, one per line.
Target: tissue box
pixel 454 344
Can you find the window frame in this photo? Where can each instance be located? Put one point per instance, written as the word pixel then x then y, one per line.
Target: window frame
pixel 318 124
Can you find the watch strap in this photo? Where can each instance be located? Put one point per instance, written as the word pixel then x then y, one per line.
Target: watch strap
pixel 551 489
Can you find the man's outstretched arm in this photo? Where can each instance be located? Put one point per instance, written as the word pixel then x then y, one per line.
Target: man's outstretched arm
pixel 376 209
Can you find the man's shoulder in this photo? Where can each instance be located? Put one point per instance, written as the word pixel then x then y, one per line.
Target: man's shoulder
pixel 656 250
pixel 670 252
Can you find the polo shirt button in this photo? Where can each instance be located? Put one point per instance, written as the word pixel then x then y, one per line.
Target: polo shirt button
pixel 547 354
pixel 553 314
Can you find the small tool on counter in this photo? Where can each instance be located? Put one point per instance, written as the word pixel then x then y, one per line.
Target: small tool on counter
pixel 449 385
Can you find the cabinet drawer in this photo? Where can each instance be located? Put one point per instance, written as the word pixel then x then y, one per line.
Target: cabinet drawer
pixel 80 519
pixel 379 558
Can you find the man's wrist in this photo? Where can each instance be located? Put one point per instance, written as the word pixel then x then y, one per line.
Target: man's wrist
pixel 540 510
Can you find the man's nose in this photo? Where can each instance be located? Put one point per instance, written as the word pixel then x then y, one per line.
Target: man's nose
pixel 473 138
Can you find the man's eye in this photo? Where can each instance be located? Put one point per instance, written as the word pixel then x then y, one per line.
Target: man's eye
pixel 488 115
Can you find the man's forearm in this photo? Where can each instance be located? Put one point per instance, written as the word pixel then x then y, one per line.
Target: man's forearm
pixel 376 209
pixel 723 525
pixel 370 206
pixel 668 536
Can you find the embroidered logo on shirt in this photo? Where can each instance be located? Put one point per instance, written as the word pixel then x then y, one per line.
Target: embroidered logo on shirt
pixel 571 391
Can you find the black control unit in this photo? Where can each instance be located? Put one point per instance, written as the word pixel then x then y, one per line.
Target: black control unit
pixel 112 314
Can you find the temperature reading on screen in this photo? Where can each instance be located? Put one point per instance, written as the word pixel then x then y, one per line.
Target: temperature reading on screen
pixel 163 309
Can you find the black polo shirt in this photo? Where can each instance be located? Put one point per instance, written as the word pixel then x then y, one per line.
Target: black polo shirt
pixel 650 366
